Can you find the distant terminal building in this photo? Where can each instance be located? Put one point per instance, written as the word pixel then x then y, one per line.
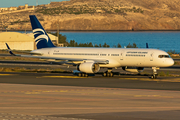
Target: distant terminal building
pixel 20 41
pixel 26 6
pixel 12 8
pixel 16 9
pixel 175 55
pixel 3 9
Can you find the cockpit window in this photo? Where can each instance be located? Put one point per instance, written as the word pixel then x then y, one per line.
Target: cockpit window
pixel 163 56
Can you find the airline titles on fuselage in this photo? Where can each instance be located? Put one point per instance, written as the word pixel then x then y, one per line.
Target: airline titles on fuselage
pixel 129 53
pixel 137 54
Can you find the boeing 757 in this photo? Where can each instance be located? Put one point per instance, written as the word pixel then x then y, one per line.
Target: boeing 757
pixel 90 60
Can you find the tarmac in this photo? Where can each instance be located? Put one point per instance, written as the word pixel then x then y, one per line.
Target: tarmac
pixel 64 96
pixel 41 96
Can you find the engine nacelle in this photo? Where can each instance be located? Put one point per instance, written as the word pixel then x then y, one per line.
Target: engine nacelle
pixel 88 67
pixel 133 69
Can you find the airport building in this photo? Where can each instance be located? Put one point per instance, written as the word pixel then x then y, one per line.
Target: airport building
pixel 16 41
pixel 19 41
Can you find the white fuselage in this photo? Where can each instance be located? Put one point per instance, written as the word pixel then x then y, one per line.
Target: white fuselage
pixel 117 57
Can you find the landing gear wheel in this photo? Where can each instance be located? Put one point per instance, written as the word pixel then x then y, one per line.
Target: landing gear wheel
pixel 111 75
pixel 79 74
pixel 83 75
pixel 106 74
pixel 154 76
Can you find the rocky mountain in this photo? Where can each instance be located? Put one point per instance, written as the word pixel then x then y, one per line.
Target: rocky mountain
pixel 100 15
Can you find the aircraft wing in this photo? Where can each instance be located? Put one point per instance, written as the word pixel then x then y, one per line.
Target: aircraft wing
pixel 39 55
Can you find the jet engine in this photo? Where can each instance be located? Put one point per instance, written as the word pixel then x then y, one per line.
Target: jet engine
pixel 88 67
pixel 133 69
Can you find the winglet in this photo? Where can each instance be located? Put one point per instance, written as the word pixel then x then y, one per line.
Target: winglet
pixel 147 45
pixel 10 50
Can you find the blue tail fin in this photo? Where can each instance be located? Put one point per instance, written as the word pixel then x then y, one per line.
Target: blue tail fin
pixel 41 38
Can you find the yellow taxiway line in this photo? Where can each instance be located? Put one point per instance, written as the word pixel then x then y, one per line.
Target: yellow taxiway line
pixel 64 77
pixel 6 74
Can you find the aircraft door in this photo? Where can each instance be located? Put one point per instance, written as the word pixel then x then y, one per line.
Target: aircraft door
pixel 121 55
pixel 151 57
pixel 49 53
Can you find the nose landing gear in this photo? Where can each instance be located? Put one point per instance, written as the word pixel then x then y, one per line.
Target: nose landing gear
pixel 155 74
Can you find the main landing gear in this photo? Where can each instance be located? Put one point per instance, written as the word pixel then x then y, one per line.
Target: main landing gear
pixel 155 74
pixel 108 73
pixel 82 74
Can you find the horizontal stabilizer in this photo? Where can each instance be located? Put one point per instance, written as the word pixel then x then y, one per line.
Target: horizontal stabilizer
pixel 10 51
pixel 18 51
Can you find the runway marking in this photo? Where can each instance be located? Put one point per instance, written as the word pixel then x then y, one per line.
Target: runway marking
pixel 62 77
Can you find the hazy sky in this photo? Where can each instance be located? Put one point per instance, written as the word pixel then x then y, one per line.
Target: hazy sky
pixel 16 3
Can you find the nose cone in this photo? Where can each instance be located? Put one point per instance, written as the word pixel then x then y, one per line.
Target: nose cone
pixel 170 62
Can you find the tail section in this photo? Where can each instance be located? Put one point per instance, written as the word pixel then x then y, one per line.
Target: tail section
pixel 41 38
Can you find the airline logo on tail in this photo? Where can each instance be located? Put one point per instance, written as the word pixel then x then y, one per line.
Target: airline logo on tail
pixel 41 38
pixel 40 35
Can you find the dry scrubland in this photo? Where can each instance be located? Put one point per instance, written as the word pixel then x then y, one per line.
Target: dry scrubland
pixel 101 15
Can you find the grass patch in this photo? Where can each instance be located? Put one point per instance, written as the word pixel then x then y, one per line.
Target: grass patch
pixel 4 51
pixel 14 58
pixel 177 63
pixel 34 70
pixel 166 74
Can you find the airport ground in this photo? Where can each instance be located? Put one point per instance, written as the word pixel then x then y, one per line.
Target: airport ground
pixel 64 96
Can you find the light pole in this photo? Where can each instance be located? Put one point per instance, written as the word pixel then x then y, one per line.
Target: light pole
pixel 25 28
pixel 57 33
pixel 36 2
pixel 1 25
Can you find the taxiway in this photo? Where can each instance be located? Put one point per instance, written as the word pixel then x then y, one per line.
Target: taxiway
pixel 64 96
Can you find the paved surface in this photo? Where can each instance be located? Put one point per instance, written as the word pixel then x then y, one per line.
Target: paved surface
pixel 176 59
pixel 46 102
pixel 63 96
pixel 68 79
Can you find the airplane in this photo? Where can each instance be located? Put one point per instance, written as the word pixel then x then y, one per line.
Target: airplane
pixel 91 60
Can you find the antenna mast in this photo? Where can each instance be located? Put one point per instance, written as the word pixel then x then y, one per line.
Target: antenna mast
pixel 36 2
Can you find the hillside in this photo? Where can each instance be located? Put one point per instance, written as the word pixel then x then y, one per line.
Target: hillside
pixel 101 15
